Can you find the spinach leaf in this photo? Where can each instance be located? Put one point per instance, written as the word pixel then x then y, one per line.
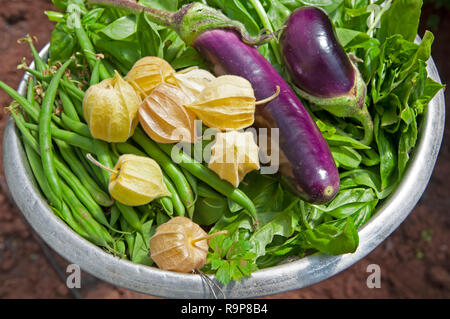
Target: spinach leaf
pixel 388 154
pixel 278 14
pixel 281 223
pixel 63 43
pixel 140 253
pixel 334 238
pixel 346 157
pixel 122 29
pixel 407 25
pixel 235 10
pixel 148 37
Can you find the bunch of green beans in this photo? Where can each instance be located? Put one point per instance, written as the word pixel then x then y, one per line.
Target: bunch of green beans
pixel 57 139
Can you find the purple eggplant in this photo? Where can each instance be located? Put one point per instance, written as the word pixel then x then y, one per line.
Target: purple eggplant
pixel 318 65
pixel 221 42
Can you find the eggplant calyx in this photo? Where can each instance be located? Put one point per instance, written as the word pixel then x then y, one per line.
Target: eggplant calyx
pixel 349 105
pixel 195 18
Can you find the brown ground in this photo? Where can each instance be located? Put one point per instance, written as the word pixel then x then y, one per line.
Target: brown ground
pixel 414 259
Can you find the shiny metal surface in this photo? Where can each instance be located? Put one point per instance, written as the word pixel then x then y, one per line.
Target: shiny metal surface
pixel 289 276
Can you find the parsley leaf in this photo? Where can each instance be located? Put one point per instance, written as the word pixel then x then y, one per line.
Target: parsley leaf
pixel 231 260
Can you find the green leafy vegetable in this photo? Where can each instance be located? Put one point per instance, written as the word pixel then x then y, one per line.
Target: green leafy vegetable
pixel 231 259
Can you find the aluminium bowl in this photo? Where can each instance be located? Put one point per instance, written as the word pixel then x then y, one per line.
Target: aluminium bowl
pixel 288 276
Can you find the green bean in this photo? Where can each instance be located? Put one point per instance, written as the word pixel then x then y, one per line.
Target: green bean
pixel 85 43
pixel 61 207
pixel 69 137
pixel 129 238
pixel 79 188
pixel 171 169
pixel 95 77
pixel 205 191
pixel 97 171
pixel 175 198
pixel 212 179
pixel 166 204
pixel 177 204
pixel 45 134
pixel 38 61
pixel 82 193
pixel 71 159
pixel 102 151
pixel 120 247
pixel 87 190
pixel 76 126
pixel 127 148
pixel 115 214
pixel 68 107
pixel 130 216
pixel 30 90
pixel 70 88
pixel 36 167
pixel 79 108
pixel 96 231
pixel 27 106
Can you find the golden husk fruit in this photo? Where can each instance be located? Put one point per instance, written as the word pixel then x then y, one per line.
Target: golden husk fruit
pixel 163 116
pixel 226 103
pixel 233 155
pixel 171 247
pixel 139 181
pixel 191 81
pixel 147 73
pixel 110 109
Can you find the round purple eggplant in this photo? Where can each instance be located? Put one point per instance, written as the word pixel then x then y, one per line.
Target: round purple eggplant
pixel 220 41
pixel 318 65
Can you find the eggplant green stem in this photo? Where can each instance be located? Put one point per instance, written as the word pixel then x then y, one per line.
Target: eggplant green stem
pixel 267 25
pixel 189 21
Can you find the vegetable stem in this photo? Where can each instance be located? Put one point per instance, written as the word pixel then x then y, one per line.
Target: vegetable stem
pixel 268 25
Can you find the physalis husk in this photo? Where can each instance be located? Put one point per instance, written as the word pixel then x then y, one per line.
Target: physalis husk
pixel 137 180
pixel 192 81
pixel 233 155
pixel 110 109
pixel 226 103
pixel 180 245
pixel 147 73
pixel 163 116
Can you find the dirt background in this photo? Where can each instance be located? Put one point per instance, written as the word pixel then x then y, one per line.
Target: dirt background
pixel 414 259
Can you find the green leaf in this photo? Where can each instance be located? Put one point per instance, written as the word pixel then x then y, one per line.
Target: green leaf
pixel 189 57
pixel 124 52
pixel 236 11
pixel 63 43
pixel 282 224
pixel 388 155
pixel 334 238
pixel 346 157
pixel 148 37
pixel 121 29
pixel 346 36
pixel 408 138
pixel 401 18
pixel 141 253
pixel 278 14
pixel 232 259
pixel 209 210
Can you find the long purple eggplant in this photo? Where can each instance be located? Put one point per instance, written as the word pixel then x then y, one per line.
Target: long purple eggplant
pixel 221 42
pixel 320 68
